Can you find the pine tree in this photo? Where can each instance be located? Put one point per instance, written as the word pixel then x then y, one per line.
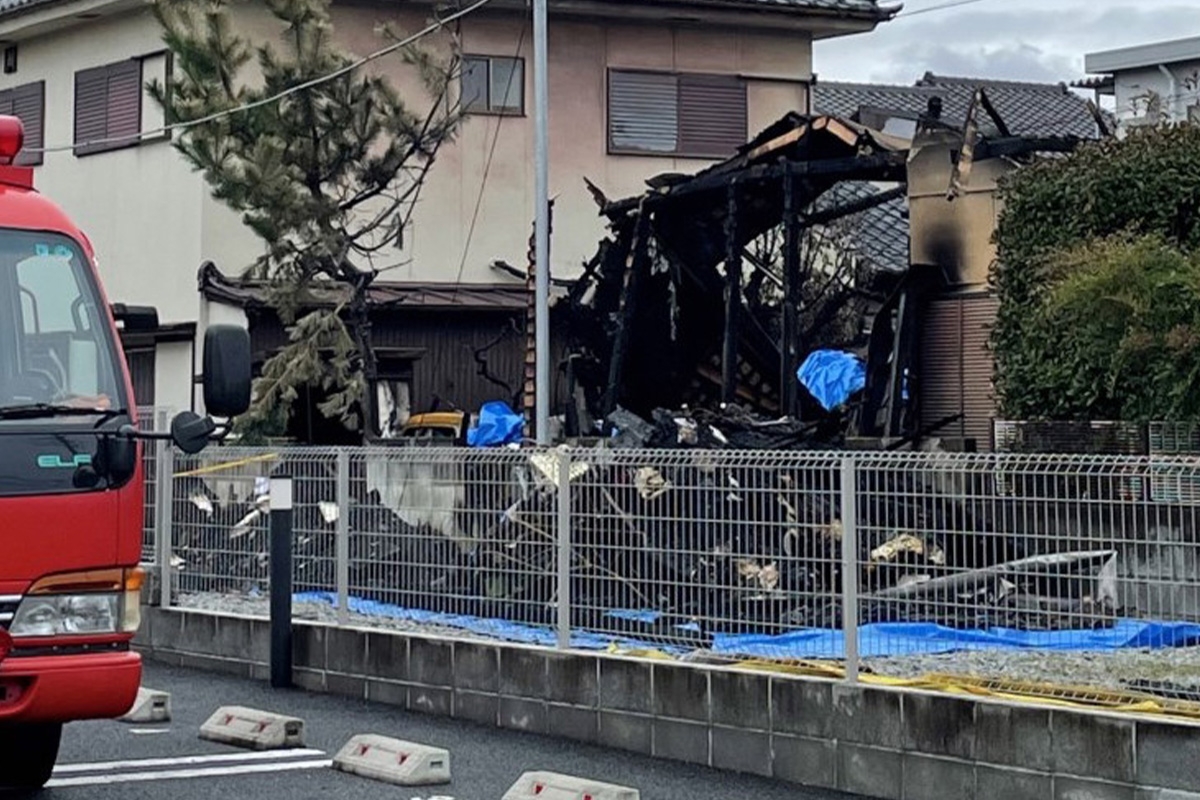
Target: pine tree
pixel 326 176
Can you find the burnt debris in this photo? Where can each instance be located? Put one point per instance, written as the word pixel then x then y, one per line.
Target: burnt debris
pixel 674 546
pixel 713 287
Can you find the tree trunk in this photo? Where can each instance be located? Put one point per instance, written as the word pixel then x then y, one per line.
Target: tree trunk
pixel 358 320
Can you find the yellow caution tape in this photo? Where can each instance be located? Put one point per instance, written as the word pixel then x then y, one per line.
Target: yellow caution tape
pixel 225 465
pixel 1063 696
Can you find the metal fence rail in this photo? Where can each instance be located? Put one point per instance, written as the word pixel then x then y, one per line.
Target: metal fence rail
pixel 998 566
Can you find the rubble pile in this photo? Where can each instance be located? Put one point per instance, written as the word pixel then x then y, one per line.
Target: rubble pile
pixel 727 427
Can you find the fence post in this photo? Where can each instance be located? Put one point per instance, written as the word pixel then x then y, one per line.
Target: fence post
pixel 164 513
pixel 849 492
pixel 343 536
pixel 281 581
pixel 563 528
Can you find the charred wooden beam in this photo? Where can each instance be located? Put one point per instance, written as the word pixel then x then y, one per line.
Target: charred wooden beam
pixel 790 346
pixel 1023 145
pixel 733 297
pixel 966 156
pixel 886 167
pixel 856 206
pixel 635 263
pixel 1001 125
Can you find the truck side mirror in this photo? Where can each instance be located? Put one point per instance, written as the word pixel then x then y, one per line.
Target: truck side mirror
pixel 190 431
pixel 227 370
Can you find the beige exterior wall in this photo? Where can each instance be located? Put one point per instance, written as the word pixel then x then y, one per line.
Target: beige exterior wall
pixel 957 234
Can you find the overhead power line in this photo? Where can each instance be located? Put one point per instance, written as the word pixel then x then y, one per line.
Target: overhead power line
pixel 939 7
pixel 300 87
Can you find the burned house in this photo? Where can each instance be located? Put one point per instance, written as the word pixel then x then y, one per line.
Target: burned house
pixel 669 314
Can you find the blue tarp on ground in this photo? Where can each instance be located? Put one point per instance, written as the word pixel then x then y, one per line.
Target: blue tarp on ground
pixel 498 425
pixel 832 377
pixel 911 638
pixel 879 640
pixel 494 628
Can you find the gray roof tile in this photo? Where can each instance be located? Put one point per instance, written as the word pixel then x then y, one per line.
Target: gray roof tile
pixel 847 6
pixel 880 234
pixel 7 6
pixel 1029 109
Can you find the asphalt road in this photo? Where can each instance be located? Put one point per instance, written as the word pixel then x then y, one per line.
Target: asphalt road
pixel 119 760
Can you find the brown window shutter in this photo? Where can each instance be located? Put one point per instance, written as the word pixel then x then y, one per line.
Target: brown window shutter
pixel 642 112
pixel 712 115
pixel 108 107
pixel 29 104
pixel 125 100
pixel 91 108
pixel 979 401
pixel 939 379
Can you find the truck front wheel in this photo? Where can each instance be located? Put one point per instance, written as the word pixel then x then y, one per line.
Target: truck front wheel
pixel 27 754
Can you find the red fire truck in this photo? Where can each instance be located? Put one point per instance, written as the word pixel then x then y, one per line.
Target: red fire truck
pixel 71 482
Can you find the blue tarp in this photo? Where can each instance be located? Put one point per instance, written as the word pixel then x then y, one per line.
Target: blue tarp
pixel 832 377
pixel 494 628
pixel 879 640
pixel 498 425
pixel 910 638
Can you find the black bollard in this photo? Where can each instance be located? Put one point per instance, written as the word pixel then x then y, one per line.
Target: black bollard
pixel 281 582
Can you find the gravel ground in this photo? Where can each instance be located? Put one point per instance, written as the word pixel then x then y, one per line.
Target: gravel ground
pixel 318 612
pixel 1111 670
pixel 1167 667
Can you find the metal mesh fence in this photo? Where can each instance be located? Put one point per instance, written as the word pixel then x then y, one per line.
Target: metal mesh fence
pixel 152 419
pixel 220 519
pixel 999 567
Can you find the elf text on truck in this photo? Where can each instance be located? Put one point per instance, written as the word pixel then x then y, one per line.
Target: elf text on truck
pixel 71 483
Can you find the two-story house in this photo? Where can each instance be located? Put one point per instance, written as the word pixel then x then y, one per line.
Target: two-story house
pixel 1149 83
pixel 635 89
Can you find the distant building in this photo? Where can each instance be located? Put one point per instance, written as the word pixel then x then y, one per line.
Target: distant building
pixel 1150 83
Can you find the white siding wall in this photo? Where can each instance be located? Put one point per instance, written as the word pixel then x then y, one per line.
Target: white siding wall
pixel 1135 87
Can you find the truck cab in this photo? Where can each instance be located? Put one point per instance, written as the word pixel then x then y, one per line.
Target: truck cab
pixel 71 481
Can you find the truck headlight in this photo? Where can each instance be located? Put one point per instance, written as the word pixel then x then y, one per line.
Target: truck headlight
pixel 81 604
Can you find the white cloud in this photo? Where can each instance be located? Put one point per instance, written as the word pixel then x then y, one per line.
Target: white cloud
pixel 1039 40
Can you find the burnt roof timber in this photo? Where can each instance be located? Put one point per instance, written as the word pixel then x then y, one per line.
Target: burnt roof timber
pixel 885 167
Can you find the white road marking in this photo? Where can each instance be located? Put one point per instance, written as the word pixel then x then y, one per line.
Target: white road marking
pixel 180 774
pixel 179 761
pixel 148 731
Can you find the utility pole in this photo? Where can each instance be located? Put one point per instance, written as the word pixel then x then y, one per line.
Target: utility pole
pixel 541 223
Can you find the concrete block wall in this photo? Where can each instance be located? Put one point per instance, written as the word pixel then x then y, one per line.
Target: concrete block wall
pixel 878 742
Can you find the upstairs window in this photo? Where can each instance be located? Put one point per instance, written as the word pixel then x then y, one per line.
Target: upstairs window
pixel 108 107
pixel 493 85
pixel 28 103
pixel 687 115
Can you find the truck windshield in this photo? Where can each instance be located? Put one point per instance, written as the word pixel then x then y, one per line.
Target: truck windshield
pixel 57 360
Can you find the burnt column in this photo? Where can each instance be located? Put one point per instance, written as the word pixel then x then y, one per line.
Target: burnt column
pixel 790 346
pixel 733 298
pixel 635 265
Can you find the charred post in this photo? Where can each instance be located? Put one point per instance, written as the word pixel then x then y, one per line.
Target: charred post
pixel 635 264
pixel 790 346
pixel 733 298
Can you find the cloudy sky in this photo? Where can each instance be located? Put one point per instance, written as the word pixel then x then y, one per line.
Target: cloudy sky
pixel 1039 40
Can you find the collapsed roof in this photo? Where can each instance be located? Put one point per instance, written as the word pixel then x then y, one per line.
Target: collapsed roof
pixel 661 317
